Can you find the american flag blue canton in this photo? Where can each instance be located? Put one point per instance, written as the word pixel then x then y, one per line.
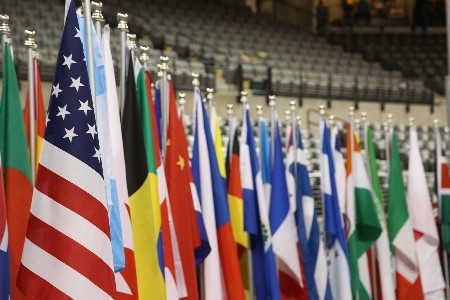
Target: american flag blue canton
pixel 71 124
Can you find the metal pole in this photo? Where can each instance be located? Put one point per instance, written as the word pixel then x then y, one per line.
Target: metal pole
pixel 210 98
pixel 97 17
pixel 251 288
pixel 293 105
pixel 145 57
pixel 181 104
pixel 90 49
pixel 164 103
pixel 30 44
pixel 272 126
pixel 196 84
pixel 123 28
pixel 4 30
pixel 230 131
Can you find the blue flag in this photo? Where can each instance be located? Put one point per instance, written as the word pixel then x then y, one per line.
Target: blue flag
pixel 101 112
pixel 264 151
pixel 256 217
pixel 336 243
pixel 311 244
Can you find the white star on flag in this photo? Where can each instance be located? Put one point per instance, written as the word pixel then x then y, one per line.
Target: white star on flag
pixel 68 61
pixel 78 35
pixel 91 130
pixel 84 106
pixel 70 134
pixel 97 154
pixel 47 119
pixel 56 90
pixel 76 83
pixel 63 112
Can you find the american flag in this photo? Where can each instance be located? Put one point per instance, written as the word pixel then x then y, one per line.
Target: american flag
pixel 67 252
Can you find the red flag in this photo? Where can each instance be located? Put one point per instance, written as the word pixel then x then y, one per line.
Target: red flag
pixel 178 175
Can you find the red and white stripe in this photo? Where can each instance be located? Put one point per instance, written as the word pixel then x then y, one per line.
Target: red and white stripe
pixel 67 252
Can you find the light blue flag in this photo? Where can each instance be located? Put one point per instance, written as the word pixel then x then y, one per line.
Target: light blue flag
pixel 256 217
pixel 264 150
pixel 336 243
pixel 101 111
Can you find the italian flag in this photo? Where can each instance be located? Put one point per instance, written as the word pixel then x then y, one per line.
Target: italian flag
pixel 401 232
pixel 363 224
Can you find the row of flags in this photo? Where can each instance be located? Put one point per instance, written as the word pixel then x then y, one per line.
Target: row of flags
pixel 110 217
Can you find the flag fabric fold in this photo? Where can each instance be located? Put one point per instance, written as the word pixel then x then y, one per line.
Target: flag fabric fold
pixel 423 223
pixel 5 288
pixel 339 268
pixel 401 232
pixel 67 251
pixel 311 245
pixel 256 217
pixel 364 225
pixel 283 227
pixel 212 184
pixel 148 272
pixel 126 283
pixel 384 267
pixel 16 167
pixel 443 192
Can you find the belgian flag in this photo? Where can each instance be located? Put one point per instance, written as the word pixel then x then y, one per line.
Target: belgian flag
pixel 139 191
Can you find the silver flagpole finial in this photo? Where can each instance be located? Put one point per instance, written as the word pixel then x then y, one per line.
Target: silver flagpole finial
pixel 230 109
pixel 123 24
pixel 299 120
pixel 436 123
pixel 30 39
pixel 351 111
pixel 195 79
pixel 411 121
pixel 363 117
pixel 4 25
pixel 390 117
pixel 97 15
pixel 244 98
pixel 145 57
pixel 272 100
pixel 182 98
pixel 132 40
pixel 331 119
pixel 322 109
pixel 164 61
pixel 259 110
pixel 287 115
pixel 357 123
pixel 210 94
pixel 292 105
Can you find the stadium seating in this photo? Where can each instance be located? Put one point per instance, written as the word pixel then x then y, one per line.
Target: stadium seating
pixel 244 49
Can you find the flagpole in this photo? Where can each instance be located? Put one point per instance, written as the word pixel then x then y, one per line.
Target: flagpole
pixel 441 227
pixel 373 248
pixel 388 130
pixel 230 129
pixel 164 88
pixel 30 44
pixel 251 287
pixel 144 57
pixel 210 98
pixel 293 105
pixel 90 50
pixel 272 127
pixel 323 118
pixel 4 30
pixel 181 105
pixel 260 112
pixel 123 28
pixel 97 17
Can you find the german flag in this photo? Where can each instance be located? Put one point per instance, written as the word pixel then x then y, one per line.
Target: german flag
pixel 139 190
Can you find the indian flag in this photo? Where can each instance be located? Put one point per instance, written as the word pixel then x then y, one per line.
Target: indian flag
pixel 364 225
